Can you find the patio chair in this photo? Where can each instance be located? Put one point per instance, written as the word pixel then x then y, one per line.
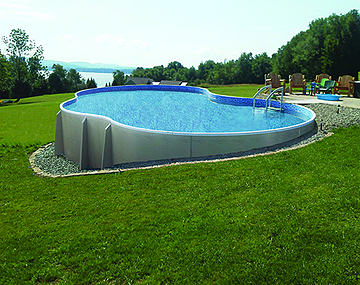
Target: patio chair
pixel 297 80
pixel 319 77
pixel 345 83
pixel 328 86
pixel 321 85
pixel 312 87
pixel 274 80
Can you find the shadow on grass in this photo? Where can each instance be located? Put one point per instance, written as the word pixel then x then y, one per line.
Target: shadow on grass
pixel 19 103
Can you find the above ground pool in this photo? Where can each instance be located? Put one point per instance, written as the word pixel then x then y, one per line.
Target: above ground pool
pixel 107 126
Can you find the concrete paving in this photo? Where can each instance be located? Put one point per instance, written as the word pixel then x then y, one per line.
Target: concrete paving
pixel 307 99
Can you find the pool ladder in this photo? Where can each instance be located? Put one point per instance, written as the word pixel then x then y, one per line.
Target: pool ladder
pixel 268 99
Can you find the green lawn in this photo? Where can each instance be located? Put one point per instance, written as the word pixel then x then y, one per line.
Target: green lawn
pixel 31 120
pixel 243 90
pixel 285 218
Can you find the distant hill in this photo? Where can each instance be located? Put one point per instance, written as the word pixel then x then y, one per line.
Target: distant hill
pixel 88 67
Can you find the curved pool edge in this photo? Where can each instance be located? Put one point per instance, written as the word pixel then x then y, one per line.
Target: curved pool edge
pixel 96 141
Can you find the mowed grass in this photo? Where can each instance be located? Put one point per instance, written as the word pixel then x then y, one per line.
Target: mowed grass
pixel 285 218
pixel 31 120
pixel 238 90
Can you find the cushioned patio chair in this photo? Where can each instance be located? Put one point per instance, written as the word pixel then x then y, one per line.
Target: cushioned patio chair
pixel 345 83
pixel 274 80
pixel 297 80
pixel 328 86
pixel 321 85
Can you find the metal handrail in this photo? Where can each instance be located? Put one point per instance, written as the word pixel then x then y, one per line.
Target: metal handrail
pixel 268 99
pixel 259 91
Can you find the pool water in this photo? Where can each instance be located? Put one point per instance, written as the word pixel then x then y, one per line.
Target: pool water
pixel 180 112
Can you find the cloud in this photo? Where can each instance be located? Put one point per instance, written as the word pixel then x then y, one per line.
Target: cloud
pixel 66 39
pixel 134 44
pixel 206 53
pixel 23 10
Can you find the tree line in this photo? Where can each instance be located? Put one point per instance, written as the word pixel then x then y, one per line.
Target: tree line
pixel 330 45
pixel 246 69
pixel 22 73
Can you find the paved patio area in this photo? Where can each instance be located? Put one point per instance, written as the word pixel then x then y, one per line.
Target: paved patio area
pixel 307 99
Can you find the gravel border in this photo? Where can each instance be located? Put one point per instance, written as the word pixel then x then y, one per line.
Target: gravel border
pixel 328 117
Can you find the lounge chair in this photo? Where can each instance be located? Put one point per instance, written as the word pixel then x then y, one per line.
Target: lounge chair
pixel 345 83
pixel 9 101
pixel 328 86
pixel 321 84
pixel 274 80
pixel 318 83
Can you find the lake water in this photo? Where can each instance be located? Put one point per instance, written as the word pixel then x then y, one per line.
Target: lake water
pixel 100 78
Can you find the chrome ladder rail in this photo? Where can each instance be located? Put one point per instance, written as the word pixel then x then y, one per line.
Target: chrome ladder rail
pixel 259 91
pixel 268 99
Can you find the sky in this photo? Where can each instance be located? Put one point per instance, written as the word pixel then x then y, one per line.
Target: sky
pixel 140 33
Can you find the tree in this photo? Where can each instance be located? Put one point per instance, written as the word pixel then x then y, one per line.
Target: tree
pixel 138 72
pixel 118 78
pixel 57 79
pixel 175 65
pixel 340 53
pixel 90 83
pixel 330 46
pixel 74 81
pixel 157 73
pixel 25 63
pixel 204 69
pixel 55 84
pixel 37 73
pixel 191 75
pixel 243 69
pixel 260 66
pixel 5 77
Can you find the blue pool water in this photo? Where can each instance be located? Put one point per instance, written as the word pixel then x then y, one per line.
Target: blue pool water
pixel 180 112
